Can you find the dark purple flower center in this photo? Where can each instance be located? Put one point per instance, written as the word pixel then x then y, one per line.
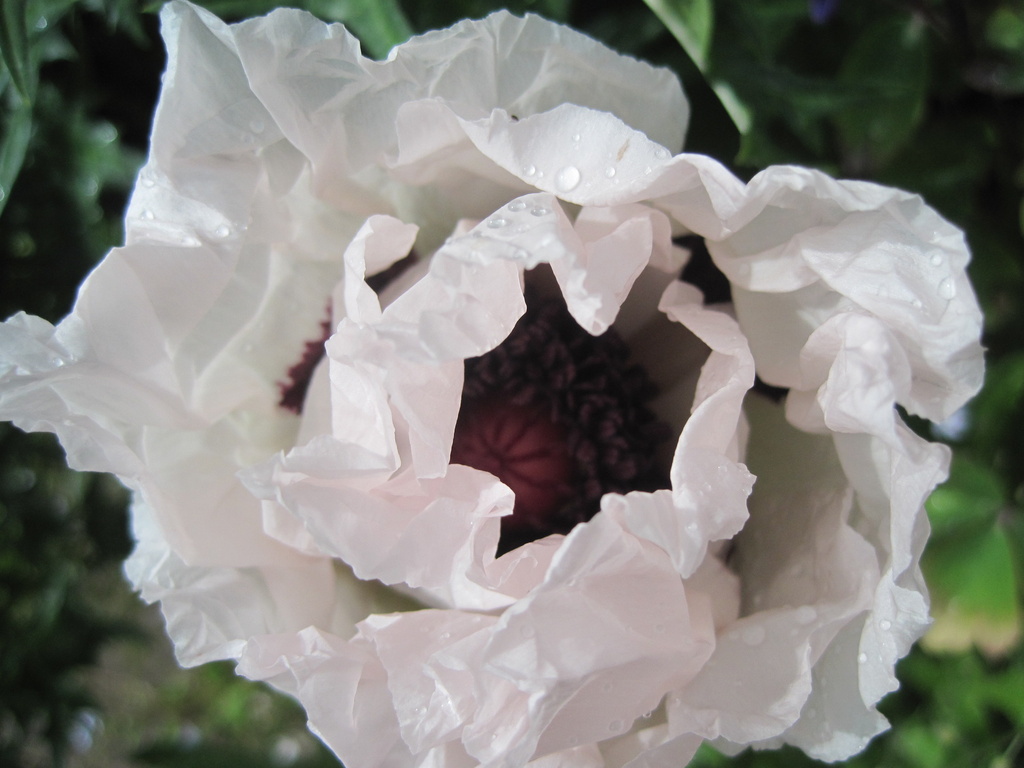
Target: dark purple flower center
pixel 293 390
pixel 561 417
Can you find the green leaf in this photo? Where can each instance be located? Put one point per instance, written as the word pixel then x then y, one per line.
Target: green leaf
pixel 13 145
pixel 971 498
pixel 691 23
pixel 14 47
pixel 379 24
pixel 887 70
pixel 974 591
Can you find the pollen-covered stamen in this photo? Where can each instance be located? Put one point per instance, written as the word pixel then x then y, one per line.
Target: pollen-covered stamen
pixel 586 391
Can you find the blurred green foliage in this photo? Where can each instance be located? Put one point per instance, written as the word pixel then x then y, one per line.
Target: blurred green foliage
pixel 927 95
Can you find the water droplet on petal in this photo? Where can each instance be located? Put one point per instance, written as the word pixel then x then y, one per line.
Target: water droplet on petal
pixel 517 205
pixel 445 636
pixel 567 179
pixel 497 223
pixel 936 259
pixel 753 635
pixel 540 210
pixel 917 303
pixel 947 288
pixel 147 182
pixel 189 241
pixel 529 170
pixel 862 658
pixel 885 625
pixel 609 172
pixel 648 170
pixel 222 231
pixel 575 137
pixel 147 214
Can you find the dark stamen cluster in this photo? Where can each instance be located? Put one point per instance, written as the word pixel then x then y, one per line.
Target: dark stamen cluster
pixel 293 391
pixel 588 388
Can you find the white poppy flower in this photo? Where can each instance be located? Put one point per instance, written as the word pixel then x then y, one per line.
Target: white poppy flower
pixel 628 550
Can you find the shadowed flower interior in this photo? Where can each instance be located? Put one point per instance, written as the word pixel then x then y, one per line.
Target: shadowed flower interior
pixel 561 417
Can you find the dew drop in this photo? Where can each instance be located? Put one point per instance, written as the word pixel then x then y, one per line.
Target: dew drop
pixel 753 635
pixel 540 210
pixel 862 658
pixel 147 214
pixel 568 178
pixel 917 303
pixel 189 241
pixel 445 636
pixel 3 193
pixel 648 170
pixel 885 625
pixel 497 223
pixel 805 614
pixel 517 205
pixel 529 170
pixel 222 231
pixel 609 172
pixel 616 726
pixel 147 182
pixel 947 288
pixel 936 260
pixel 576 137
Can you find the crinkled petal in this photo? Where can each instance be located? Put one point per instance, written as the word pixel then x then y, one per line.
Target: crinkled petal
pixel 611 615
pixel 854 246
pixel 709 485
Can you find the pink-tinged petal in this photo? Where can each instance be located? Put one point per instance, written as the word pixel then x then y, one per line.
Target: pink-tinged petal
pixel 211 612
pixel 587 632
pixel 343 688
pixel 432 660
